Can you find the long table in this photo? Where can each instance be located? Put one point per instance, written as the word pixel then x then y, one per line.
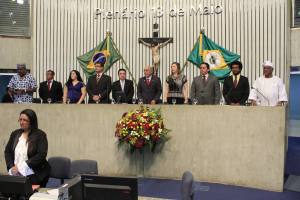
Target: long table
pixel 234 145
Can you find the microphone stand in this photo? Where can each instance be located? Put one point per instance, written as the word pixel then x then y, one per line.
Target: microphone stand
pixel 261 95
pixel 119 99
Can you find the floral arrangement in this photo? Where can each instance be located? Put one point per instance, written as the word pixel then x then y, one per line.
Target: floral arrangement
pixel 141 127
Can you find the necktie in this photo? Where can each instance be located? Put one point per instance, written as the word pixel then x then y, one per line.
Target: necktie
pixel 203 80
pixel 49 85
pixel 98 77
pixel 148 81
pixel 235 81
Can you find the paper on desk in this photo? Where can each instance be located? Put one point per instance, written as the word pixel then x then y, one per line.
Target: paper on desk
pixel 53 192
pixel 57 191
pixel 43 196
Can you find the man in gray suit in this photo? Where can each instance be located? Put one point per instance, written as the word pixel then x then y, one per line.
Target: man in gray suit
pixel 205 88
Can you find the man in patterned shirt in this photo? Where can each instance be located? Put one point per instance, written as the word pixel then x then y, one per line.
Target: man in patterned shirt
pixel 22 85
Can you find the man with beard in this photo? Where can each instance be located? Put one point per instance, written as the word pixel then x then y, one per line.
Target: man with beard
pixel 236 86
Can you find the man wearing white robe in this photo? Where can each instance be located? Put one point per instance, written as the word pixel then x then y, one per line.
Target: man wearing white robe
pixel 268 90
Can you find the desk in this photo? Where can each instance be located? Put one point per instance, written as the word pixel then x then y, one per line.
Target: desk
pixel 42 196
pixel 234 145
pixel 150 198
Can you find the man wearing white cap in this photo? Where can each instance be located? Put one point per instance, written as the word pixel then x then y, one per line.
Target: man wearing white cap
pixel 268 90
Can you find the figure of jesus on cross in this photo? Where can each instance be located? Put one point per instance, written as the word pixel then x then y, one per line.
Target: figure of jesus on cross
pixel 155 53
pixel 155 43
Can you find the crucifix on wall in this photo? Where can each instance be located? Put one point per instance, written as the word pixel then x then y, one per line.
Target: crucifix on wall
pixel 155 43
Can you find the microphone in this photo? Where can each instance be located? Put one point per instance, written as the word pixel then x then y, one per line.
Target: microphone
pixel 261 95
pixel 119 99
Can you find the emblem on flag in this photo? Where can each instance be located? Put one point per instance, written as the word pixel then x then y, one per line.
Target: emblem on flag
pixel 99 56
pixel 214 58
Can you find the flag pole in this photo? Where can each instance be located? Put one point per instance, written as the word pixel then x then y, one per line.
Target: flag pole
pixel 186 61
pixel 185 64
pixel 123 61
pixel 108 34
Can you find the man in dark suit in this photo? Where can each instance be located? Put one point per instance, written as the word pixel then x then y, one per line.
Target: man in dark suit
pixel 205 88
pixel 50 90
pixel 149 87
pixel 122 90
pixel 236 86
pixel 99 85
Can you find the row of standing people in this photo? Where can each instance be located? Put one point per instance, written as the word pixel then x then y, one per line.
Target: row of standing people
pixel 205 89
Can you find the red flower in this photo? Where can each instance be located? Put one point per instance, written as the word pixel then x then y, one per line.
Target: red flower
pixel 146 126
pixel 145 123
pixel 156 126
pixel 133 117
pixel 139 143
pixel 146 132
pixel 129 124
pixel 155 138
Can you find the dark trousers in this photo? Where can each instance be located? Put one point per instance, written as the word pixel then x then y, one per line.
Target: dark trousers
pixel 34 180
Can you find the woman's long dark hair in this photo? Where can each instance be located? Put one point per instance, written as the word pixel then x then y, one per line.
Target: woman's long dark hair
pixel 33 121
pixel 69 82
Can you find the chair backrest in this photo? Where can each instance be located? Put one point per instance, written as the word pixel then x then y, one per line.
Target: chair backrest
pixel 187 191
pixel 84 167
pixel 60 167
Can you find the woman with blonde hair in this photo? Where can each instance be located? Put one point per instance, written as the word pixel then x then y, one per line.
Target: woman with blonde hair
pixel 176 86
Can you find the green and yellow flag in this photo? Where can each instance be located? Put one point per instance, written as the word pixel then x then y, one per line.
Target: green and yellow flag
pixel 105 53
pixel 218 58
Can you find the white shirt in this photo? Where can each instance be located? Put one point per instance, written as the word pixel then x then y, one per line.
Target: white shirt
pixel 21 157
pixel 122 83
pixel 205 75
pixel 268 91
pixel 98 75
pixel 149 78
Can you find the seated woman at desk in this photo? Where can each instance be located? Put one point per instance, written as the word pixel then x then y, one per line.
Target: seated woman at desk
pixel 26 150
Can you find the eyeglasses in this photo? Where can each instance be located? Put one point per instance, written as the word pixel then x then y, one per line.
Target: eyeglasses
pixel 22 119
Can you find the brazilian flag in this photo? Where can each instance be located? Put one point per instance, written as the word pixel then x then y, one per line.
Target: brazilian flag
pixel 104 53
pixel 218 58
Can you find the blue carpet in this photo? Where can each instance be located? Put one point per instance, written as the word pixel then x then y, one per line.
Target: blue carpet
pixel 170 189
